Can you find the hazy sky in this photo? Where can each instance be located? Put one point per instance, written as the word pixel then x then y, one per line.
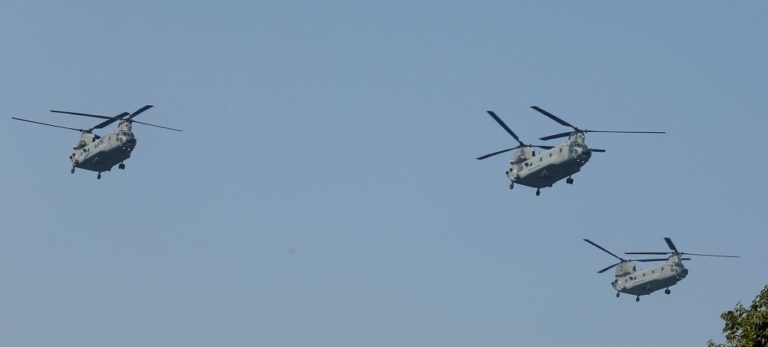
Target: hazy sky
pixel 325 192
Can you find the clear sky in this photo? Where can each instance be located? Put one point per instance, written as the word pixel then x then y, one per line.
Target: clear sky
pixel 325 192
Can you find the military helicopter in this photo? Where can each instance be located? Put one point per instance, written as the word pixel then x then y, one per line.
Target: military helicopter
pixel 555 162
pixel 644 282
pixel 99 154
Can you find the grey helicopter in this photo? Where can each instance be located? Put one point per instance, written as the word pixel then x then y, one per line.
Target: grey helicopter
pixel 646 281
pixel 97 153
pixel 555 162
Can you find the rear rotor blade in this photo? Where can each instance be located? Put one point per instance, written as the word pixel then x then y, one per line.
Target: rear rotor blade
pixel 555 118
pixel 504 125
pixel 597 150
pixel 649 253
pixel 604 250
pixel 543 147
pixel 670 244
pixel 495 153
pixel 608 268
pixel 50 125
pixel 556 136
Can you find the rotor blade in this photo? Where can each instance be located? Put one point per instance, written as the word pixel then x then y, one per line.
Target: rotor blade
pixel 495 153
pixel 597 150
pixel 109 121
pixel 50 125
pixel 649 253
pixel 556 136
pixel 625 132
pixel 712 255
pixel 604 250
pixel 649 260
pixel 608 268
pixel 685 258
pixel 82 114
pixel 670 244
pixel 554 118
pixel 504 125
pixel 139 111
pixel 158 126
pixel 543 147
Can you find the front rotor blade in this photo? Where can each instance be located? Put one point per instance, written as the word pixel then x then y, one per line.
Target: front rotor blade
pixel 82 114
pixel 556 136
pixel 608 268
pixel 603 249
pixel 597 150
pixel 157 126
pixel 543 147
pixel 504 125
pixel 625 132
pixel 50 125
pixel 139 111
pixel 712 255
pixel 109 121
pixel 554 118
pixel 650 260
pixel 670 244
pixel 495 153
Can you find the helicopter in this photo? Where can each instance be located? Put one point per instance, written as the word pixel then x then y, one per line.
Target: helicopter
pixel 555 162
pixel 644 282
pixel 99 154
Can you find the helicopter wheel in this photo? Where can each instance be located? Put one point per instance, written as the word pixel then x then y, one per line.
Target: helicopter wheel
pixel 72 171
pixel 569 180
pixel 637 299
pixel 617 294
pixel 121 166
pixel 511 185
pixel 538 191
pixel 98 177
pixel 667 291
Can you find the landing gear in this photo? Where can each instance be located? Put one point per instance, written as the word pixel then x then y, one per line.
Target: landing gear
pixel 121 166
pixel 538 191
pixel 72 171
pixel 667 291
pixel 98 177
pixel 617 294
pixel 637 299
pixel 569 180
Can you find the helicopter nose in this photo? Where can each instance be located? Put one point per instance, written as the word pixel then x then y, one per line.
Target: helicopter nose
pixel 583 154
pixel 129 143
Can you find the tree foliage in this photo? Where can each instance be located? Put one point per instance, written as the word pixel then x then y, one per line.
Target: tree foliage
pixel 747 327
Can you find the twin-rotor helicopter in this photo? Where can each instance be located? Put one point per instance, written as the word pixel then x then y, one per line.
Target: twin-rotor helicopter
pixel 555 162
pixel 646 281
pixel 101 153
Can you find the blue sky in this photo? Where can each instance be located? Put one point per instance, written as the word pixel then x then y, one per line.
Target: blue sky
pixel 325 191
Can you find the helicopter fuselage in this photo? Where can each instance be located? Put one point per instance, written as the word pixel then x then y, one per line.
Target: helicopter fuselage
pixel 647 281
pixel 100 154
pixel 103 153
pixel 546 168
